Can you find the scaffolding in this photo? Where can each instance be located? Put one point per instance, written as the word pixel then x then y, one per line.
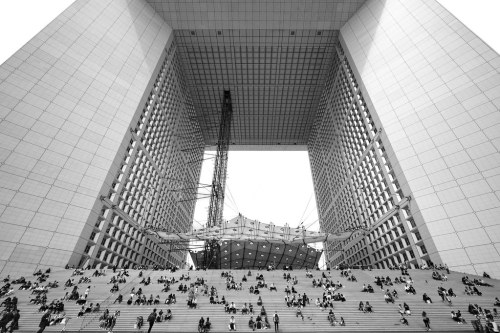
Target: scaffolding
pixel 212 247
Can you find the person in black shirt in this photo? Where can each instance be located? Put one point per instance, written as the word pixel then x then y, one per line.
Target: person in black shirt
pixel 151 320
pixel 44 322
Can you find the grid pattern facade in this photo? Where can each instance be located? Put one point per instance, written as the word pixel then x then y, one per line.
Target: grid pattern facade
pixel 435 87
pixel 67 98
pixel 154 183
pixel 275 78
pixel 271 55
pixel 355 183
pixel 256 14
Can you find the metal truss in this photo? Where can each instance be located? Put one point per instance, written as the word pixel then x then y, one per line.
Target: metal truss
pixel 212 248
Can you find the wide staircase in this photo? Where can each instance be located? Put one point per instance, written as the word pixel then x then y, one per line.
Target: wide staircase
pixel 384 318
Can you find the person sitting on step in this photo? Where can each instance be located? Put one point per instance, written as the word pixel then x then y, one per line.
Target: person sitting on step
pixel 458 317
pixel 201 325
pixel 263 311
pixel 119 299
pixel 258 322
pixel 252 324
pixel 208 324
pixel 407 309
pixel 168 315
pixel 232 324
pixel 232 308
pixel 368 307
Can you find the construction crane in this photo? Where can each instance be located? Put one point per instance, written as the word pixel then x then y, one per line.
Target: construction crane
pixel 211 257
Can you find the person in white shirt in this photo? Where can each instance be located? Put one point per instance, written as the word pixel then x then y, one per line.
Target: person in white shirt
pixel 232 324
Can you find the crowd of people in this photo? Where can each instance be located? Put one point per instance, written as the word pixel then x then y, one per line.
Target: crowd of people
pixel 297 300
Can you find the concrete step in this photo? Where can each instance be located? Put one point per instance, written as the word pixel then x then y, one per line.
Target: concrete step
pixel 385 316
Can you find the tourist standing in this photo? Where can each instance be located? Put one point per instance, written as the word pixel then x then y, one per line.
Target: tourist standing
pixel 276 320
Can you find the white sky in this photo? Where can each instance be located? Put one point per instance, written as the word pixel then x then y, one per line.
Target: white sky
pixel 268 186
pixel 20 20
pixel 480 16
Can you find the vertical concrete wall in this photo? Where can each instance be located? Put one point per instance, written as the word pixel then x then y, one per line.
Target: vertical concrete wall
pixel 435 87
pixel 66 102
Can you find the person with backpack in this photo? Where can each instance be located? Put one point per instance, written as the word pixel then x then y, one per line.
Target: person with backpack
pixel 276 320
pixel 151 320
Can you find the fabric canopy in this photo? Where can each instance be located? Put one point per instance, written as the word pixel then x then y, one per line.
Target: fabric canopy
pixel 252 255
pixel 242 228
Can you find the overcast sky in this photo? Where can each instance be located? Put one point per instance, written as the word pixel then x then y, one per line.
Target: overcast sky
pixel 268 186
